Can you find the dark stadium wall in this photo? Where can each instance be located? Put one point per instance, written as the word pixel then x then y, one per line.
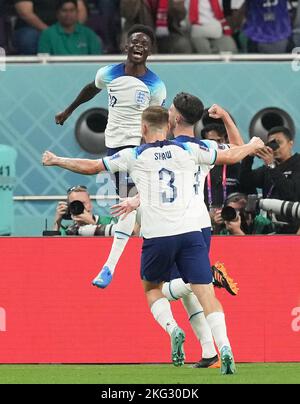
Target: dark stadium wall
pixel 50 313
pixel 31 95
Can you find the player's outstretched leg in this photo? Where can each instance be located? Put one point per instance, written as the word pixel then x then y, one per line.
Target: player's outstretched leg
pixel 123 231
pixel 216 320
pixel 161 311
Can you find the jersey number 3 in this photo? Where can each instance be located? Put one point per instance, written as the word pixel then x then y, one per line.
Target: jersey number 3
pixel 168 177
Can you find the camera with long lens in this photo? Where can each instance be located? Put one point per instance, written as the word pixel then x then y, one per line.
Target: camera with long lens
pixel 75 208
pixel 285 209
pixel 229 214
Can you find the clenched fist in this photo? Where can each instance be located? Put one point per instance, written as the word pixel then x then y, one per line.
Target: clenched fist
pixel 61 117
pixel 49 159
pixel 217 112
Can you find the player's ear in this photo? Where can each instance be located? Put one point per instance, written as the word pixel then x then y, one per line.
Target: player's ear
pixel 178 119
pixel 126 48
pixel 144 129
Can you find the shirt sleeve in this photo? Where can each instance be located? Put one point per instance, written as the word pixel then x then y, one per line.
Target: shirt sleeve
pixel 203 154
pixel 102 77
pixel 159 95
pixel 120 162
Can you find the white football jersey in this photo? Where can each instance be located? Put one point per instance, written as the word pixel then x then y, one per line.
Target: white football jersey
pixel 128 97
pixel 164 174
pixel 202 170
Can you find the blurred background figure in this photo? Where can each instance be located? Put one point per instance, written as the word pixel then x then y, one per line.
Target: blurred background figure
pixel 210 31
pixel 8 157
pixel 279 177
pixel 2 24
pixel 268 26
pixel 235 220
pixel 67 36
pixel 79 209
pixel 222 180
pixel 296 35
pixel 164 16
pixel 34 16
pixel 109 11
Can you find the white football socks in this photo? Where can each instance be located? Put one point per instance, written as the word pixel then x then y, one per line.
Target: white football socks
pixel 176 289
pixel 123 231
pixel 217 325
pixel 199 325
pixel 161 310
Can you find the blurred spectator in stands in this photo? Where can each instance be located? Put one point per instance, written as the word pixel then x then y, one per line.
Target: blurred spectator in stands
pixel 67 36
pixel 210 31
pixel 109 11
pixel 239 222
pixel 164 16
pixel 2 24
pixel 268 26
pixel 34 16
pixel 85 223
pixel 296 36
pixel 279 178
pixel 234 11
pixel 222 180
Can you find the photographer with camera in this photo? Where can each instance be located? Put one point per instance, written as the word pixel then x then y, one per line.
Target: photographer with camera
pixel 238 221
pixel 279 178
pixel 79 209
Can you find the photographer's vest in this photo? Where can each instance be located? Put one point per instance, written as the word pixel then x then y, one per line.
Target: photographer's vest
pixel 8 157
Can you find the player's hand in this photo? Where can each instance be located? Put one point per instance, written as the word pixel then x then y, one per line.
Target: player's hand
pixel 49 159
pixel 125 207
pixel 217 112
pixel 266 154
pixel 257 144
pixel 61 117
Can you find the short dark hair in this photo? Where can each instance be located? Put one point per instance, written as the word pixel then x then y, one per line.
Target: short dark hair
pixel 145 29
pixel 220 129
pixel 235 197
pixel 281 129
pixel 156 116
pixel 189 106
pixel 61 3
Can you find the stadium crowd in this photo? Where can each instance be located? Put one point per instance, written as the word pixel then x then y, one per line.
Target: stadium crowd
pixel 89 27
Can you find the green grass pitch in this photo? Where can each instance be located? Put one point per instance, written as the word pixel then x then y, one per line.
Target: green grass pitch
pixel 148 374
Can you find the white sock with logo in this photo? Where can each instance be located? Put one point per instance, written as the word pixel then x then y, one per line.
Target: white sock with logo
pixel 217 325
pixel 200 325
pixel 161 310
pixel 123 231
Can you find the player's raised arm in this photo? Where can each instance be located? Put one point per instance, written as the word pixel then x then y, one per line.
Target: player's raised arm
pixel 237 154
pixel 85 95
pixel 80 166
pixel 234 135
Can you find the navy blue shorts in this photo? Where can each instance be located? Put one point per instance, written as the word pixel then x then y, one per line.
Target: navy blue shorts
pixel 188 251
pixel 174 273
